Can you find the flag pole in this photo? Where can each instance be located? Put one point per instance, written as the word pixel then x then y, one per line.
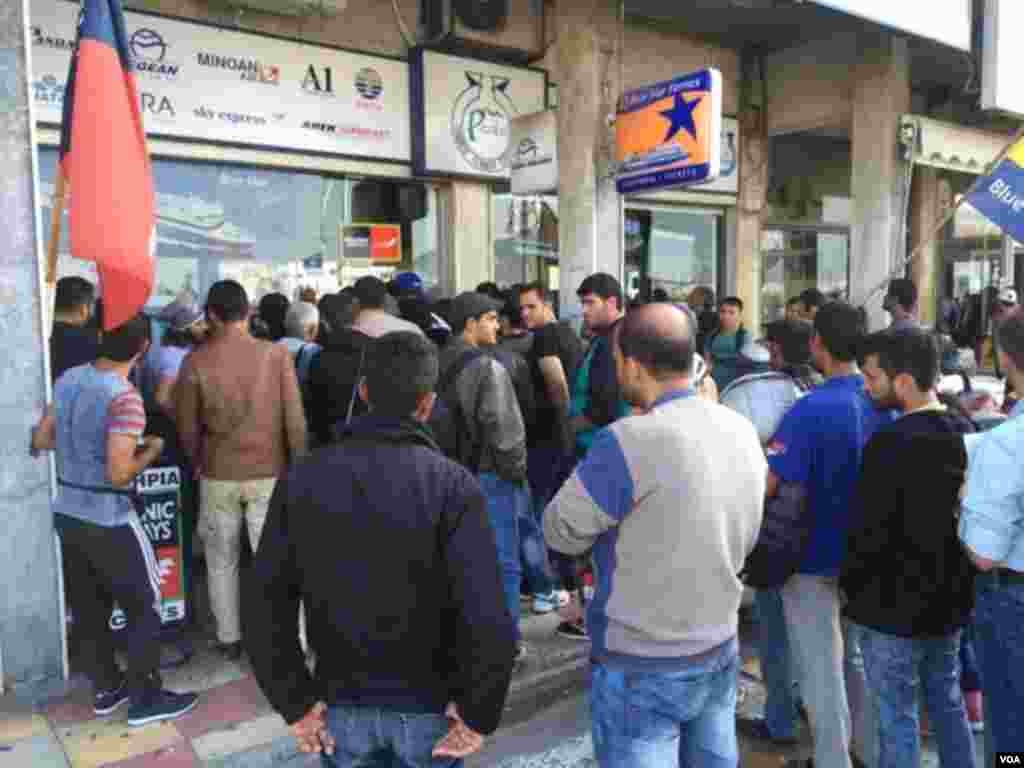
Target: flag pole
pixel 57 216
pixel 950 212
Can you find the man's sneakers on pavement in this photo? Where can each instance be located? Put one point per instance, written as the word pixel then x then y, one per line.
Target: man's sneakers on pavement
pixel 543 604
pixel 573 630
pixel 108 701
pixel 157 704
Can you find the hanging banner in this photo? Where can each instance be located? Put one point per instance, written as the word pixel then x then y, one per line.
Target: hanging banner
pixel 461 110
pixel 669 134
pixel 533 154
pixel 1000 195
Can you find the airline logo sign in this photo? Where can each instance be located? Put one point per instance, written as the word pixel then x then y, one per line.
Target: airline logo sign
pixel 386 244
pixel 669 134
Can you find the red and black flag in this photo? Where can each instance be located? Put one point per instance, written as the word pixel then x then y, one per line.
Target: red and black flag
pixel 104 159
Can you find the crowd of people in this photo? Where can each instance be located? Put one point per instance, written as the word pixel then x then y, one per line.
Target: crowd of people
pixel 411 475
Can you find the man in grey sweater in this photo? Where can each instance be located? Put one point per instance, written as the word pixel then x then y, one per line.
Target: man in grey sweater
pixel 669 505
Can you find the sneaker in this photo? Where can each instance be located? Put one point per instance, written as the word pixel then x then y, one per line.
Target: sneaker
pixel 160 705
pixel 573 630
pixel 106 702
pixel 975 711
pixel 522 653
pixel 550 602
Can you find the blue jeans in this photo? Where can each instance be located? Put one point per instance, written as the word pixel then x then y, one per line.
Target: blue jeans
pixel 897 667
pixel 506 504
pixel 534 552
pixel 374 738
pixel 999 643
pixel 659 719
pixel 780 708
pixel 970 674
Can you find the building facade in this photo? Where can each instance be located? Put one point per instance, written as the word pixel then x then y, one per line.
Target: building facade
pixel 311 148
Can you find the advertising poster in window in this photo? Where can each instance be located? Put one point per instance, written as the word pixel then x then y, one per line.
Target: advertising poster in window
pixel 207 83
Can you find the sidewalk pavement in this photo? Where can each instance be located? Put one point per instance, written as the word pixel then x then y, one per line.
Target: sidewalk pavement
pixel 233 725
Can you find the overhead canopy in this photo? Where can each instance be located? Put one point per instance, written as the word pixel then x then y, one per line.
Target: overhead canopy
pixel 953 147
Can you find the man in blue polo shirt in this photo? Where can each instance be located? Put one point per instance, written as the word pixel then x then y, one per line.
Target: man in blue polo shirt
pixel 819 446
pixel 992 530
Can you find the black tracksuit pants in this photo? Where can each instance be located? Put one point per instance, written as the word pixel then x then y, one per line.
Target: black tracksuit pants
pixel 106 565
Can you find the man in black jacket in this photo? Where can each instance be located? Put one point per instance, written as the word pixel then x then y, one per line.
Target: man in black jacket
pixel 420 665
pixel 909 583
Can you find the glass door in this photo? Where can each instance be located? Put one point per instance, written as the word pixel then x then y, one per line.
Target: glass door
pixel 794 259
pixel 670 251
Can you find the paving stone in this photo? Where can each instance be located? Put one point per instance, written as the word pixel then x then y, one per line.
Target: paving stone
pixel 175 756
pixel 40 751
pixel 282 751
pixel 223 706
pixel 100 742
pixel 14 727
pixel 241 737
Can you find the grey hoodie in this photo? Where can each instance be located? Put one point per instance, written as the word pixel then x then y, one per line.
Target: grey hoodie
pixel 488 398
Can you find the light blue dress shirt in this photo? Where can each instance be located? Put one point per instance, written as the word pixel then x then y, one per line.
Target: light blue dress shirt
pixel 992 519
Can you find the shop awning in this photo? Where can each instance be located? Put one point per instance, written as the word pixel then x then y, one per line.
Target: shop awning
pixel 950 146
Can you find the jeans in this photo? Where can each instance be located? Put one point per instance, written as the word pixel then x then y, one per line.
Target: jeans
pixel 506 504
pixel 999 643
pixel 897 667
pixel 970 674
pixel 663 719
pixel 373 738
pixel 224 506
pixel 829 667
pixel 536 569
pixel 548 467
pixel 780 709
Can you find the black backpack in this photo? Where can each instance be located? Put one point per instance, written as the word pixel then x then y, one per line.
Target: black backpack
pixel 782 541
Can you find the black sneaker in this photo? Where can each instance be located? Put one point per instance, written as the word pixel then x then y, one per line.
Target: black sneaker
pixel 107 702
pixel 572 631
pixel 157 705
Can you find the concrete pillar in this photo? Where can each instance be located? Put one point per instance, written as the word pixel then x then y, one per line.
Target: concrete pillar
pixel 589 207
pixel 30 630
pixel 925 211
pixel 753 192
pixel 881 93
pixel 472 249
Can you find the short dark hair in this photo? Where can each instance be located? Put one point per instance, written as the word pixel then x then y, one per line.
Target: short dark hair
pixel 511 309
pixel 338 310
pixel 126 341
pixel 1010 337
pixel 401 367
pixel 536 287
pixel 792 301
pixel 732 301
pixel 841 328
pixel 228 301
pixel 639 338
pixel 490 289
pixel 812 297
pixel 603 285
pixel 371 292
pixel 911 351
pixel 903 291
pixel 73 292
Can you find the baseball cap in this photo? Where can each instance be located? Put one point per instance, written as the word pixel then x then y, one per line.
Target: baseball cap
pixel 471 304
pixel 794 337
pixel 901 291
pixel 180 316
pixel 407 283
pixel 1008 296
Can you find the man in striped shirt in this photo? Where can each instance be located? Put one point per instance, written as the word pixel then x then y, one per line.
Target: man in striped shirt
pixel 96 426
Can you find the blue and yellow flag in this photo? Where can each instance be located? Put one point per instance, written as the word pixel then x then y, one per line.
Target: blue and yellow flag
pixel 1000 195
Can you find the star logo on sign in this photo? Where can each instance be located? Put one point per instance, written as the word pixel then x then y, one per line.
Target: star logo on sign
pixel 681 116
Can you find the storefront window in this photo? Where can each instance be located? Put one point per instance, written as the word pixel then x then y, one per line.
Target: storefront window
pixel 525 239
pixel 274 230
pixel 795 259
pixel 671 249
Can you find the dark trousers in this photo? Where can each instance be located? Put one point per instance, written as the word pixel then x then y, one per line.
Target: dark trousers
pixel 548 467
pixel 106 565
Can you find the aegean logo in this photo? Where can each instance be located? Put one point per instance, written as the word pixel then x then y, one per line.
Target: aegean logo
pixel 149 51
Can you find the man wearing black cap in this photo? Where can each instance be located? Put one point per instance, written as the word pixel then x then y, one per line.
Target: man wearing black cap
pixel 901 304
pixel 373 319
pixel 488 434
